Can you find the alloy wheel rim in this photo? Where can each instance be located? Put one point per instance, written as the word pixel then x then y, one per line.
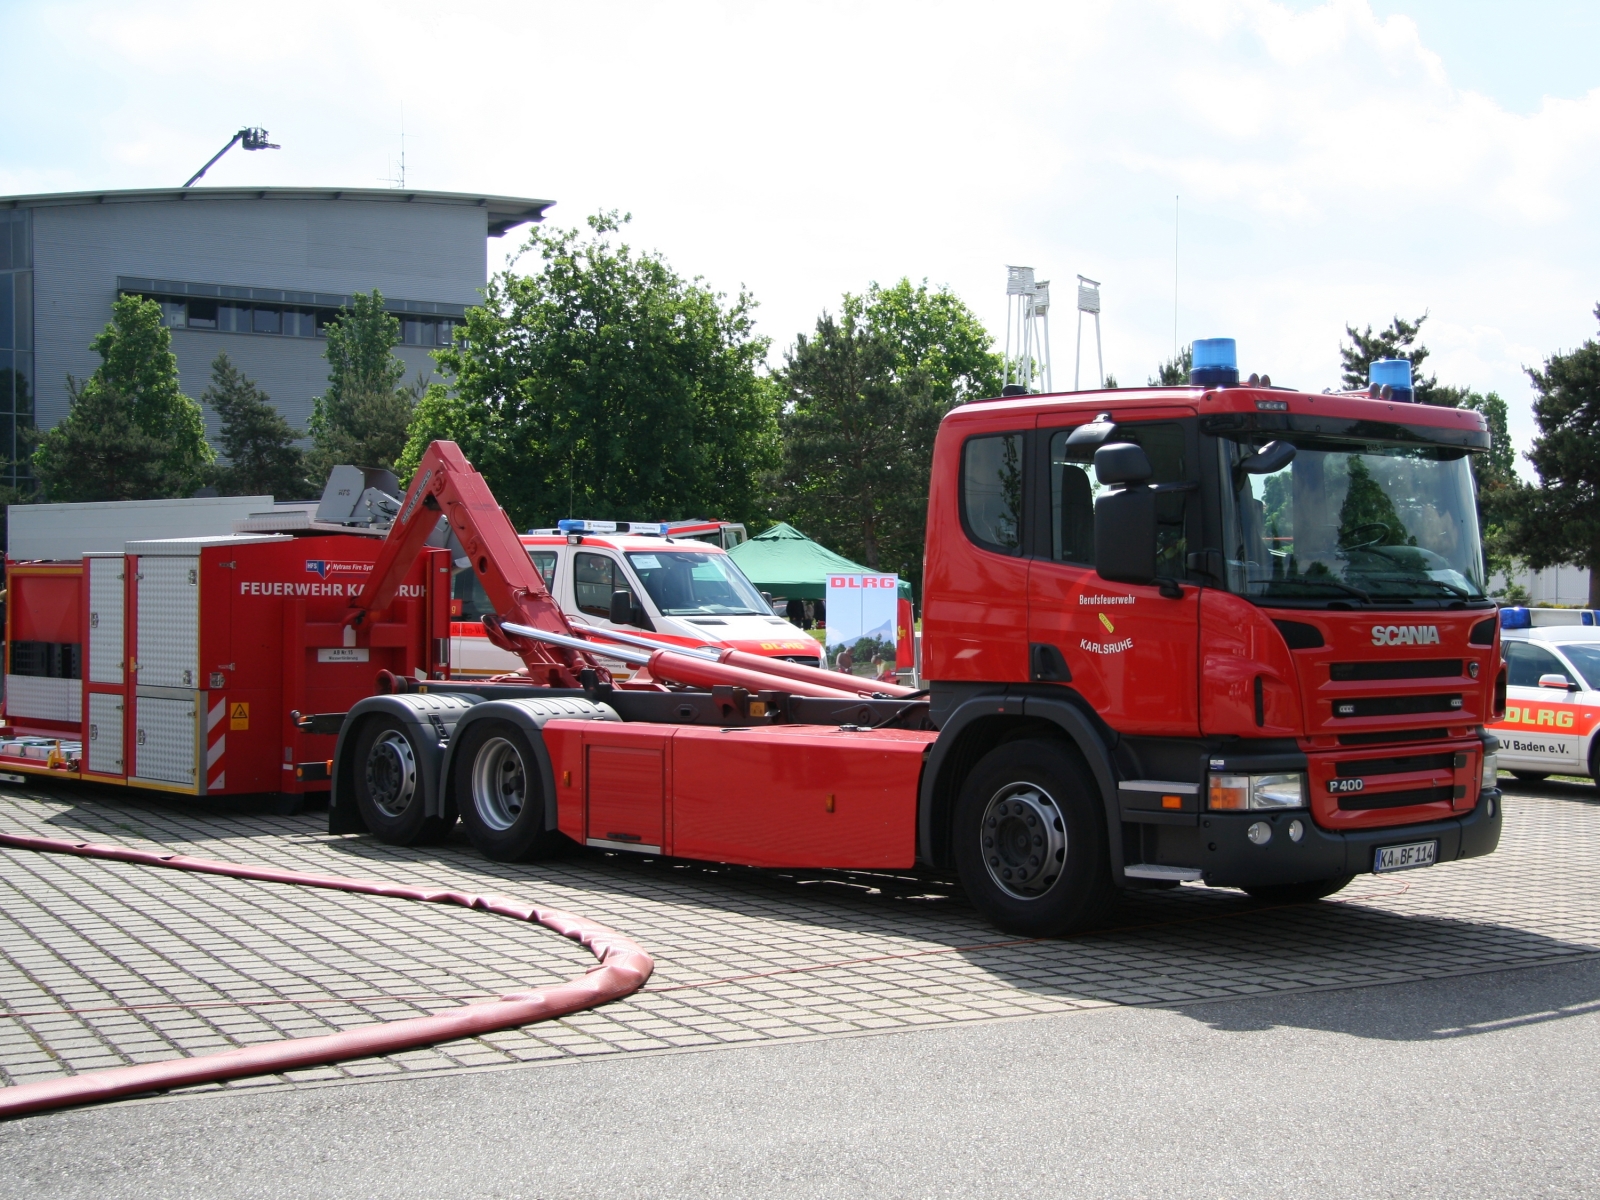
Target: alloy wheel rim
pixel 1023 840
pixel 499 784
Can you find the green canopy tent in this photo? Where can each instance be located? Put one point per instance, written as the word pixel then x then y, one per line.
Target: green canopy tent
pixel 787 563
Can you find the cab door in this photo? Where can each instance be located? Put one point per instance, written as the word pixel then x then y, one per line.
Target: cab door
pixel 1544 727
pixel 1128 650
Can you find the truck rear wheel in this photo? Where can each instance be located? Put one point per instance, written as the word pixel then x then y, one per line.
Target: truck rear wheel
pixel 1030 840
pixel 389 788
pixel 500 794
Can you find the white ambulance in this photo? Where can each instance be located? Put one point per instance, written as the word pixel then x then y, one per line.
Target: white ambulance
pixel 1552 692
pixel 644 579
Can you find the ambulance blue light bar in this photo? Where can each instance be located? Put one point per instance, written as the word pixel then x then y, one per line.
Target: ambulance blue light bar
pixel 1516 617
pixel 1215 363
pixel 648 528
pixel 1391 378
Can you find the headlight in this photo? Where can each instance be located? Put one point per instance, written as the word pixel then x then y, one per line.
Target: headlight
pixel 1241 793
pixel 1491 771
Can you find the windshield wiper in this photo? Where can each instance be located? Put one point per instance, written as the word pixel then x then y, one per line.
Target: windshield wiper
pixel 1409 579
pixel 1333 583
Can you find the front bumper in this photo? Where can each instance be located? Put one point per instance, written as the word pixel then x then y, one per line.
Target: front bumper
pixel 1226 857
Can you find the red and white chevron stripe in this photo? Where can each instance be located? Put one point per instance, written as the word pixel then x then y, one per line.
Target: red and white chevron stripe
pixel 216 745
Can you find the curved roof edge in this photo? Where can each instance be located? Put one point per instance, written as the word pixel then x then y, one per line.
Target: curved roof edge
pixel 504 212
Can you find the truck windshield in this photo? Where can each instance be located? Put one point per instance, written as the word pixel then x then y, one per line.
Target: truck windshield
pixel 1353 521
pixel 685 584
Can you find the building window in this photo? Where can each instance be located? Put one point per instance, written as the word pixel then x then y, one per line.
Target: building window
pixel 16 345
pixel 281 320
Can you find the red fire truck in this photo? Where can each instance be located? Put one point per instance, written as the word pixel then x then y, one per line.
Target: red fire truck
pixel 1227 633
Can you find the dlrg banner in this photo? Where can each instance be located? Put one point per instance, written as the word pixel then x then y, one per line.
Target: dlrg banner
pixel 862 620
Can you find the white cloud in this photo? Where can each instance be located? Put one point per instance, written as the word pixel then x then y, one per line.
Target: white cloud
pixel 1330 169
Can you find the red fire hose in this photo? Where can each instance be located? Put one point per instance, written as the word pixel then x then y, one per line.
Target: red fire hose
pixel 622 969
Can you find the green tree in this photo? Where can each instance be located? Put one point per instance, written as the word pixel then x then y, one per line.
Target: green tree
pixel 134 392
pixel 1398 340
pixel 857 440
pixel 1175 371
pixel 605 385
pixel 259 445
pixel 362 418
pixel 1559 521
pixel 100 452
pixel 936 338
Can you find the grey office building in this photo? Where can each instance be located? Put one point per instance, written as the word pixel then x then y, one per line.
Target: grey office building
pixel 257 272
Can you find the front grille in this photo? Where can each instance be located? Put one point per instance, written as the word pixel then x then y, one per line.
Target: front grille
pixel 1395 706
pixel 1427 795
pixel 1392 735
pixel 1399 765
pixel 1418 668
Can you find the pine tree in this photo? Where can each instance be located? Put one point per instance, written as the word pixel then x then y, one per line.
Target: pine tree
pixel 1559 521
pixel 1175 371
pixel 100 452
pixel 363 416
pixel 256 440
pixel 1399 340
pixel 134 395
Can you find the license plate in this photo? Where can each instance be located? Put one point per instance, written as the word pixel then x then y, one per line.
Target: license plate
pixel 1404 858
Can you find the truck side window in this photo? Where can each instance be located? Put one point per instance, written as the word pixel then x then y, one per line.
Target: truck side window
pixel 991 490
pixel 1525 662
pixel 594 578
pixel 1073 489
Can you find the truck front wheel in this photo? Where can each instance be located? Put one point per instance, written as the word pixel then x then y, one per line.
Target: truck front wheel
pixel 1030 840
pixel 389 789
pixel 500 794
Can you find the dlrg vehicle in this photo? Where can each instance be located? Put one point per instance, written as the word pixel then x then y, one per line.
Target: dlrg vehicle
pixel 1553 693
pixel 1220 633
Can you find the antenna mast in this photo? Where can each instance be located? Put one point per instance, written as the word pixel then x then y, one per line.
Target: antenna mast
pixel 1027 350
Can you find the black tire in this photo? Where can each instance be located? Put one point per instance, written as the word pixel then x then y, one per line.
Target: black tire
pixel 1029 835
pixel 1530 776
pixel 1298 893
pixel 500 793
pixel 389 786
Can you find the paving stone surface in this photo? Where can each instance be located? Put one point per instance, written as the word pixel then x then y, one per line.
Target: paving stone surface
pixel 103 964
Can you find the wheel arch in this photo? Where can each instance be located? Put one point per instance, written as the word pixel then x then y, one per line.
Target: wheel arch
pixel 979 725
pixel 528 715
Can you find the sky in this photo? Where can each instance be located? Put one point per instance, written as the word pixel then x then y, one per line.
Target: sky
pixel 1267 171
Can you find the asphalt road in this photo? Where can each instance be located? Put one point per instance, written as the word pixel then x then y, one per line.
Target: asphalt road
pixel 1481 1085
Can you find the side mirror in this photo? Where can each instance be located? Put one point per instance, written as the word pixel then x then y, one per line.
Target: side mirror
pixel 1268 460
pixel 1121 462
pixel 622 607
pixel 1125 532
pixel 1559 682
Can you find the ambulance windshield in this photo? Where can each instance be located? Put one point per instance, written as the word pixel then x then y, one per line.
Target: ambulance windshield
pixel 686 584
pixel 1346 520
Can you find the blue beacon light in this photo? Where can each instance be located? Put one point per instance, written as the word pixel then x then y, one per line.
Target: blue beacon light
pixel 1393 374
pixel 1215 363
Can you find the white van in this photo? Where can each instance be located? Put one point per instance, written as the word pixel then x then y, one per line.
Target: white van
pixel 680 591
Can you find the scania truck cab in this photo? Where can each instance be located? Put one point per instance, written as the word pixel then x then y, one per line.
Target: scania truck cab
pixel 1250 620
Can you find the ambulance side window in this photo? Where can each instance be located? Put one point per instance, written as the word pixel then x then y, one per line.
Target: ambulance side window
pixel 545 561
pixel 594 578
pixel 1525 662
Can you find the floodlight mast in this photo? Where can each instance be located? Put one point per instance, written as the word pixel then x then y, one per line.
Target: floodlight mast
pixel 1028 318
pixel 1089 302
pixel 251 137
